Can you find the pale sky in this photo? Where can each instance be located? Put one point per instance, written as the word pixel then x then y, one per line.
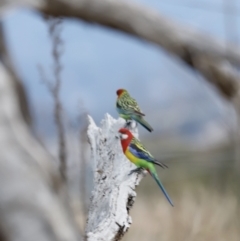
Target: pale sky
pixel 97 61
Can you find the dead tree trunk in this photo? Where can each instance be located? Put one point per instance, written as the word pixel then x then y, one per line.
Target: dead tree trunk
pixel 114 190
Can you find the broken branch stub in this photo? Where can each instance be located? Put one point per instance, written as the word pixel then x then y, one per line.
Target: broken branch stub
pixel 114 190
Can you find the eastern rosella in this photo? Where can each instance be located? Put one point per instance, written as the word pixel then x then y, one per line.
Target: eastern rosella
pixel 128 109
pixel 143 159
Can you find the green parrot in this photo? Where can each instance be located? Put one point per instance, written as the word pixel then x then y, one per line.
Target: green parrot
pixel 128 109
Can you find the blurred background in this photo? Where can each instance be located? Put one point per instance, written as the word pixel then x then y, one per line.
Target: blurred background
pixel 194 127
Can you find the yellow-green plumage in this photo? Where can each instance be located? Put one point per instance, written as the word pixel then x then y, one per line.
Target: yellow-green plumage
pixel 141 157
pixel 128 109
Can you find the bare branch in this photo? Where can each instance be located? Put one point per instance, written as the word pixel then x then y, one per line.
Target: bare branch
pixel 83 162
pixel 54 32
pixel 55 27
pixel 198 50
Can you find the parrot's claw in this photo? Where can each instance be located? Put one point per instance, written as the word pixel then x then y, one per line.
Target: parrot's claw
pixel 138 170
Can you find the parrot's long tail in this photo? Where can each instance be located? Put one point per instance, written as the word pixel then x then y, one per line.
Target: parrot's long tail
pixel 154 175
pixel 141 121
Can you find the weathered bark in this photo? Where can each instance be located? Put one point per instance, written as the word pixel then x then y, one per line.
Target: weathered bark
pixel 114 190
pixel 33 201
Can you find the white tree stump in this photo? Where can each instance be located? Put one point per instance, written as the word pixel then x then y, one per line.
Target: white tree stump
pixel 114 190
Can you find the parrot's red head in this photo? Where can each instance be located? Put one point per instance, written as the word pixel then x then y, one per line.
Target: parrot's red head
pixel 120 91
pixel 126 137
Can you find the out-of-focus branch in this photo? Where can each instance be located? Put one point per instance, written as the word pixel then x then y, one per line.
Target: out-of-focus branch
pixel 199 50
pixel 83 141
pixel 54 31
pixel 7 62
pixel 54 88
pixel 32 200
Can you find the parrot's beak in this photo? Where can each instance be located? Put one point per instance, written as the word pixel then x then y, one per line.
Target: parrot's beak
pixel 122 136
pixel 118 136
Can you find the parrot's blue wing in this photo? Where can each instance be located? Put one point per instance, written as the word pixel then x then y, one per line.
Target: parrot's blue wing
pixel 138 150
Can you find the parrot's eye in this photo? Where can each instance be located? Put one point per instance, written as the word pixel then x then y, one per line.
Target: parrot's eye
pixel 124 136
